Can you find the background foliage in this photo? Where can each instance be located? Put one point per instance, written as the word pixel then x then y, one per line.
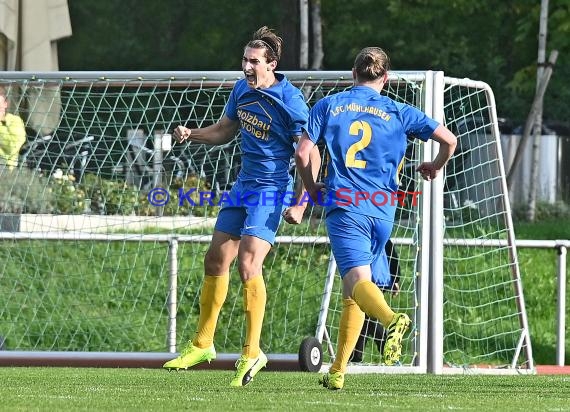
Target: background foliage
pixel 495 42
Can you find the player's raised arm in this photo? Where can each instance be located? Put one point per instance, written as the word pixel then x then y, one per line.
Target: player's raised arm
pixel 218 133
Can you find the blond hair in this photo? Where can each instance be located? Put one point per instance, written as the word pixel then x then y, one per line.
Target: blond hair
pixel 371 63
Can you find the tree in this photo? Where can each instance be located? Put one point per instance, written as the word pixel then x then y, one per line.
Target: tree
pixel 481 39
pixel 304 30
pixel 316 23
pixel 538 122
pixel 316 40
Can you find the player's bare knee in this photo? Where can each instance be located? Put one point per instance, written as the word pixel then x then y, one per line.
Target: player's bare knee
pixel 215 263
pixel 249 269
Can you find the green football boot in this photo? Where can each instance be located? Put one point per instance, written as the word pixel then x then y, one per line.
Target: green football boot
pixel 247 368
pixel 191 355
pixel 332 381
pixel 396 331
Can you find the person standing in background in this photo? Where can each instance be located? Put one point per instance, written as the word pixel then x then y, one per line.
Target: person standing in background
pixel 12 133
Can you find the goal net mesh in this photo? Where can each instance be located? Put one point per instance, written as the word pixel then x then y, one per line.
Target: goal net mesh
pixel 85 256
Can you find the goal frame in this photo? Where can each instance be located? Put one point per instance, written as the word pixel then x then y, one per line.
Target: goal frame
pixel 429 313
pixel 429 290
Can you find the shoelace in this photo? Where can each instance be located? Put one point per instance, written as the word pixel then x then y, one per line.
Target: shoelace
pixel 241 363
pixel 189 348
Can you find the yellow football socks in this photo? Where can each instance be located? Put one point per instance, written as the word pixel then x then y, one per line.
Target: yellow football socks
pixel 371 300
pixel 351 321
pixel 212 298
pixel 254 299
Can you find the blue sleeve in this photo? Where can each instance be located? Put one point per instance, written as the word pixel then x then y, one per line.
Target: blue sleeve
pixel 231 105
pixel 299 112
pixel 416 123
pixel 317 120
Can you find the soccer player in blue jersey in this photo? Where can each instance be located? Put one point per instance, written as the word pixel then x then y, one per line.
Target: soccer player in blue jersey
pixel 365 135
pixel 270 113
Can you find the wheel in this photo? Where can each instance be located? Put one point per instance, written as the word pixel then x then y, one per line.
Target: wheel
pixel 310 355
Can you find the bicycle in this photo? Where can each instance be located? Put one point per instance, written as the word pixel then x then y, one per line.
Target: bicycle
pixel 145 168
pixel 47 156
pixel 76 157
pixel 34 152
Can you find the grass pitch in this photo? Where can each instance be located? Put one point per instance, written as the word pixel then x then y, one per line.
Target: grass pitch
pixel 99 389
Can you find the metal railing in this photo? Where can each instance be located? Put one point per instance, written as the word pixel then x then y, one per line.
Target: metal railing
pixel 6 357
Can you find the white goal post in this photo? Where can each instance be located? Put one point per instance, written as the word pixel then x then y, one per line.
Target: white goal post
pixel 94 265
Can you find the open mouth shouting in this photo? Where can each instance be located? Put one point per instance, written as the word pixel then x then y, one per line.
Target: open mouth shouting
pixel 251 79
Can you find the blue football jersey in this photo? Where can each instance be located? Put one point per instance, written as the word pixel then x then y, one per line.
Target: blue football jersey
pixel 366 136
pixel 269 119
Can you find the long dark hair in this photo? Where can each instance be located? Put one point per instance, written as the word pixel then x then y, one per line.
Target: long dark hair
pixel 265 38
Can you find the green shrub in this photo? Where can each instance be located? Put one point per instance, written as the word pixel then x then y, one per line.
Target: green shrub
pixel 109 197
pixel 25 191
pixel 69 198
pixel 544 211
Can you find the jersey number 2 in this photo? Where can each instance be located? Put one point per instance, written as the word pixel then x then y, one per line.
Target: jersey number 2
pixel 355 129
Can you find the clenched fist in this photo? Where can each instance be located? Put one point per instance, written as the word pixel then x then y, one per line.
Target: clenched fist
pixel 181 134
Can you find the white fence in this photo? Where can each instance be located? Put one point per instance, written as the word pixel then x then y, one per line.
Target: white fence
pixel 141 359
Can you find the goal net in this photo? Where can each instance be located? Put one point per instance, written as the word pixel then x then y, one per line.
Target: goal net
pixel 97 259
